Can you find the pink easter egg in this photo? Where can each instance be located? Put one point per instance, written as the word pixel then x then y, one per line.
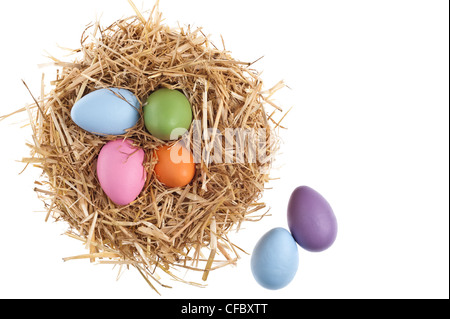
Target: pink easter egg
pixel 120 171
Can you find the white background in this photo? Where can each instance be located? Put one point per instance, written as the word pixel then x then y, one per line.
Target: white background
pixel 369 130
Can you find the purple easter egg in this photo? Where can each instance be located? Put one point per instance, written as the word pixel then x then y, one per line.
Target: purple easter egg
pixel 311 219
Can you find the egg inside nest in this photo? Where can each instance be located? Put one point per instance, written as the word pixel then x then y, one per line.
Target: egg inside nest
pixel 164 227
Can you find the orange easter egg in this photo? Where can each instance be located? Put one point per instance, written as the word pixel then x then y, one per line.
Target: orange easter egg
pixel 175 166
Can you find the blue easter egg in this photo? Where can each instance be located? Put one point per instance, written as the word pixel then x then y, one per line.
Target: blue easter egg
pixel 106 111
pixel 274 261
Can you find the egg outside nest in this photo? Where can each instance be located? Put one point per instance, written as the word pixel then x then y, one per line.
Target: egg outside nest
pixel 184 227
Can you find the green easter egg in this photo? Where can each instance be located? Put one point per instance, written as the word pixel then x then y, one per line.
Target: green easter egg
pixel 167 114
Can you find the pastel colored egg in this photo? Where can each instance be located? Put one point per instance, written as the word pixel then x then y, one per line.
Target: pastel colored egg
pixel 120 171
pixel 311 219
pixel 175 166
pixel 274 261
pixel 106 111
pixel 167 114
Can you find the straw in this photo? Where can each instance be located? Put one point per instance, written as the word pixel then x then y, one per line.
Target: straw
pixel 164 228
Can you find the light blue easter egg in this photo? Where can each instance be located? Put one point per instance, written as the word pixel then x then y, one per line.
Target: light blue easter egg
pixel 274 261
pixel 106 111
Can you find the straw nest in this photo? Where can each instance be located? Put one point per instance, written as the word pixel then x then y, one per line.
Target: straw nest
pixel 163 228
